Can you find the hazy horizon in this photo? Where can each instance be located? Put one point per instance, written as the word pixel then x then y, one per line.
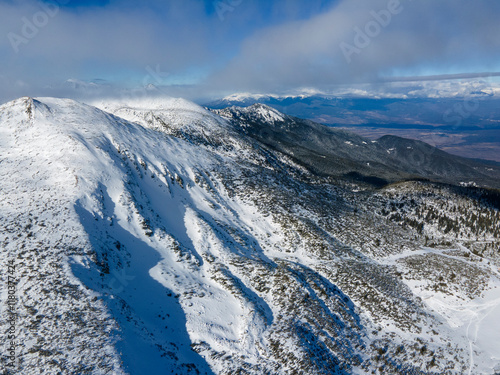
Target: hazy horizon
pixel 202 50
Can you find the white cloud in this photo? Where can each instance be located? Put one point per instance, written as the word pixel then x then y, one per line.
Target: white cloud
pixel 118 42
pixel 446 36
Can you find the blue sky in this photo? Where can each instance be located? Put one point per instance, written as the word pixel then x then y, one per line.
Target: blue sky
pixel 207 48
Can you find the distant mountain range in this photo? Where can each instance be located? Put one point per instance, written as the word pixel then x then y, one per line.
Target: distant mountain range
pixel 467 125
pixel 333 152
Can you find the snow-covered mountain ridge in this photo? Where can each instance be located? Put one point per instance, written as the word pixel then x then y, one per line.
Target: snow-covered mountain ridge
pixel 338 153
pixel 157 238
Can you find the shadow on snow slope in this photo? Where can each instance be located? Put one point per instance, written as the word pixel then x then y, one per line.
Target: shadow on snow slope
pixel 149 315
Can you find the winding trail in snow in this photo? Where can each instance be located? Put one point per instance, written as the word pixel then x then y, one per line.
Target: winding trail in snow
pixel 473 313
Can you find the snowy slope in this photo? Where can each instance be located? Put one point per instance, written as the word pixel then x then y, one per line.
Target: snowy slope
pixel 154 238
pixel 147 244
pixel 173 116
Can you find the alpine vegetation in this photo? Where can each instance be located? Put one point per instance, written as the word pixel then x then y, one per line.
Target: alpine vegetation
pixel 159 237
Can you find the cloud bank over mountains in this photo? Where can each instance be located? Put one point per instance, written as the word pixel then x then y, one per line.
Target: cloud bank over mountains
pixel 210 48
